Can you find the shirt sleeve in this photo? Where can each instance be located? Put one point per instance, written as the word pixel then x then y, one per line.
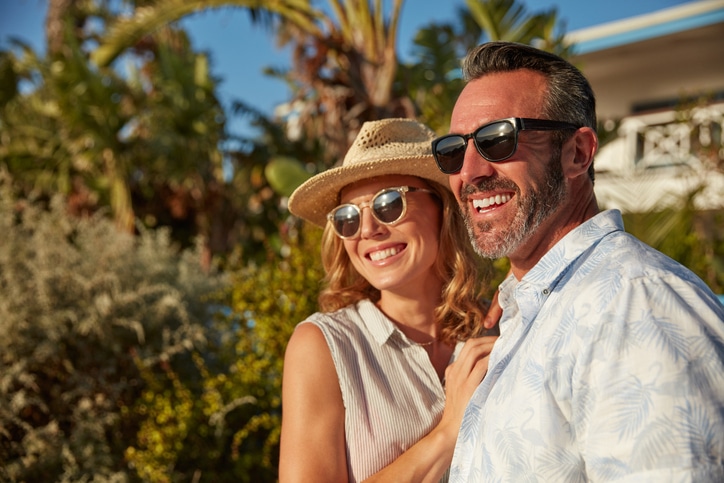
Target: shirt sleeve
pixel 648 390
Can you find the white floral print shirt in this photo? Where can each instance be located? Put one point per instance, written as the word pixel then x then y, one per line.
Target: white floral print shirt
pixel 609 367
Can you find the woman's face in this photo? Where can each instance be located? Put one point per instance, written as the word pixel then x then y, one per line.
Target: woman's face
pixel 400 257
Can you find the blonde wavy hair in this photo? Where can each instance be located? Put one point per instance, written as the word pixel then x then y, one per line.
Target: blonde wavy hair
pixel 461 310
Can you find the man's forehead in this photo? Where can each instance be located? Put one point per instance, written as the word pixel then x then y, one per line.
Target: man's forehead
pixel 501 95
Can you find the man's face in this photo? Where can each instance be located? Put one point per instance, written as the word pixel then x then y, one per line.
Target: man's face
pixel 508 206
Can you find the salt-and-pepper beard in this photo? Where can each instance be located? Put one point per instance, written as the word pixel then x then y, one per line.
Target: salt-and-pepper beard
pixel 531 210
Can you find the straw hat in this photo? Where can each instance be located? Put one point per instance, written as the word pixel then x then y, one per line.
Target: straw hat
pixel 389 146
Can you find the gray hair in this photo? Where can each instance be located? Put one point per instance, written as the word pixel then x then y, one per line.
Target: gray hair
pixel 570 97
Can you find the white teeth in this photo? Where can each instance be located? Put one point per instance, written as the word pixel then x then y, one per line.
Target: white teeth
pixel 382 254
pixel 493 200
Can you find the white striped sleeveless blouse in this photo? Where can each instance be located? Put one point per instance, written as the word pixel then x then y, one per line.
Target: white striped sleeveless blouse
pixel 391 392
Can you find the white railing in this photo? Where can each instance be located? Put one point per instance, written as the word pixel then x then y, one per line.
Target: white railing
pixel 661 158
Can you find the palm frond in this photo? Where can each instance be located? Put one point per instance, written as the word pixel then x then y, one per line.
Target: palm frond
pixel 146 20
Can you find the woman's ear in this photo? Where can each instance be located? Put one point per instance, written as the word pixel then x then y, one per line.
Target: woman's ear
pixel 577 154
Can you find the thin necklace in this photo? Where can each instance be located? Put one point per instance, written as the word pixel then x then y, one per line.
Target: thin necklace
pixel 424 344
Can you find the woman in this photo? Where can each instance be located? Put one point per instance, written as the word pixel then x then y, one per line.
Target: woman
pixel 366 380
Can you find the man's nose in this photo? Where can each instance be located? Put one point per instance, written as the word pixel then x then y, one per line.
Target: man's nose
pixel 474 165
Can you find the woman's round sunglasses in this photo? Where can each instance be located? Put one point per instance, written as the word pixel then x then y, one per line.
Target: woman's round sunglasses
pixel 388 206
pixel 495 141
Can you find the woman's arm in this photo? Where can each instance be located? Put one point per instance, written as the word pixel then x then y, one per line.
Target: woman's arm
pixel 312 436
pixel 430 457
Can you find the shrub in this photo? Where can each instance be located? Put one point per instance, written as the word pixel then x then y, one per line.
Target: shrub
pixel 84 309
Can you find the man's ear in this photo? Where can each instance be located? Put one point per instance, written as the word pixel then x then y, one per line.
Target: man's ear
pixel 578 152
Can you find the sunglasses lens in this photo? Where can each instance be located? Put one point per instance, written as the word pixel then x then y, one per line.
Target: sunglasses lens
pixel 450 153
pixel 388 206
pixel 496 141
pixel 346 220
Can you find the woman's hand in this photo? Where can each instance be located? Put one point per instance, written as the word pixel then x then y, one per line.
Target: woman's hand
pixel 429 458
pixel 462 377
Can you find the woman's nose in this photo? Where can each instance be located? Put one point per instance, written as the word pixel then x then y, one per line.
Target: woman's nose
pixel 370 227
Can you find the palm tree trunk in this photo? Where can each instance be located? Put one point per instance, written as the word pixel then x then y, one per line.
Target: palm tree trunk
pixel 57 9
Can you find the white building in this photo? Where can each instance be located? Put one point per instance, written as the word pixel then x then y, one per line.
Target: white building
pixel 659 82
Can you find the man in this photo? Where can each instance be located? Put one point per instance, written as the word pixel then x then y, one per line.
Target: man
pixel 610 362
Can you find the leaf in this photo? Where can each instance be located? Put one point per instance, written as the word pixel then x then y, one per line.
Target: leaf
pixel 284 174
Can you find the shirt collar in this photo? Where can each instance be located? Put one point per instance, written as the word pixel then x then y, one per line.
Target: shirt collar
pixel 375 321
pixel 380 326
pixel 522 300
pixel 552 266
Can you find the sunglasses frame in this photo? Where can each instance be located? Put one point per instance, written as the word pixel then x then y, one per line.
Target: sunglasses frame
pixel 402 190
pixel 518 123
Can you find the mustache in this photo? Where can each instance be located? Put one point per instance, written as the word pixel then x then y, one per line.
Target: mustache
pixel 487 184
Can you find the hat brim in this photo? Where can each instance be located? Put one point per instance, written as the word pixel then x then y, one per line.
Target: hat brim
pixel 317 196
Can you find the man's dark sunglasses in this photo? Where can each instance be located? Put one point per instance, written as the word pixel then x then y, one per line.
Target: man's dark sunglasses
pixel 495 141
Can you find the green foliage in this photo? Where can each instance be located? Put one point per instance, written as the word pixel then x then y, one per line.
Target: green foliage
pixel 67 130
pixel 225 425
pixel 143 139
pixel 693 238
pixel 433 80
pixel 166 412
pixel 83 307
pixel 270 300
pixel 260 185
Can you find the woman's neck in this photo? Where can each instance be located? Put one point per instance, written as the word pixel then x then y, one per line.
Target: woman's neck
pixel 416 319
pixel 414 316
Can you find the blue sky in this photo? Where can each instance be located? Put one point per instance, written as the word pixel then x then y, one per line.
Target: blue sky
pixel 239 51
